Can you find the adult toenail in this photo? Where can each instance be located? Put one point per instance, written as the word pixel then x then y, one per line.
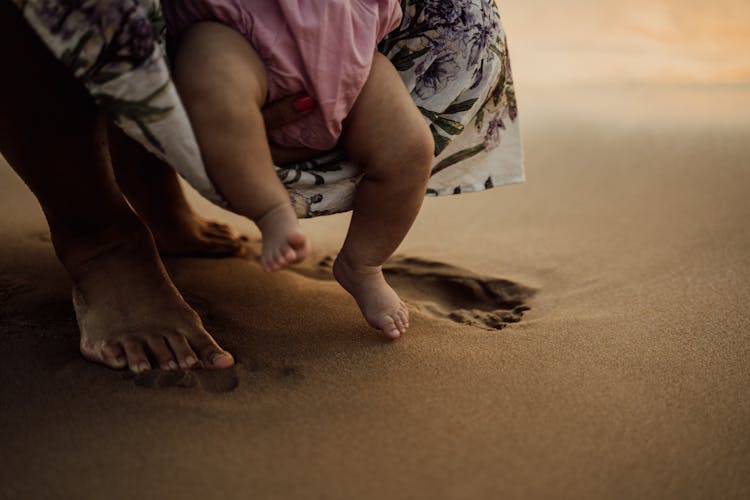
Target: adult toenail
pixel 215 356
pixel 190 361
pixel 143 367
pixel 172 365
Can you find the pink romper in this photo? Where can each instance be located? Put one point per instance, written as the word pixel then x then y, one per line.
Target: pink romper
pixel 322 47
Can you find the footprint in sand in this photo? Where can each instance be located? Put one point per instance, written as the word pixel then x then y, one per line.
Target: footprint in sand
pixel 448 292
pixel 12 285
pixel 216 381
pixel 25 307
pixel 207 380
pixel 11 288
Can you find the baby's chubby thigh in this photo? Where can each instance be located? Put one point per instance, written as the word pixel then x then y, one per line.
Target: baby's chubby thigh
pixel 216 64
pixel 385 133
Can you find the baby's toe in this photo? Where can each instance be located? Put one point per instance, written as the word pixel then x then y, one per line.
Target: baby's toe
pixel 390 328
pixel 289 254
pixel 268 263
pixel 403 315
pixel 297 238
pixel 279 259
pixel 300 245
pixel 399 322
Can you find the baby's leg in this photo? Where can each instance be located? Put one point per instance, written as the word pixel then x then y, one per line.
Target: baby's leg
pixel 387 136
pixel 223 84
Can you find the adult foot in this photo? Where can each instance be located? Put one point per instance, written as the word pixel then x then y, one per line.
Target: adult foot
pixel 380 304
pixel 129 312
pixel 153 189
pixel 284 243
pixel 190 235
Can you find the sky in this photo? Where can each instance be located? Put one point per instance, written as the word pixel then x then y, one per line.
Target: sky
pixel 605 41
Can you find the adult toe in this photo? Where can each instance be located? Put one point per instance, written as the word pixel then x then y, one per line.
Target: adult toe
pixel 185 355
pixel 112 355
pixel 162 353
pixel 210 353
pixel 108 353
pixel 136 356
pixel 224 246
pixel 218 234
pixel 226 229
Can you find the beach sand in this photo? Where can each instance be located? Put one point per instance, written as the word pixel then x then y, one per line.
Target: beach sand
pixel 627 377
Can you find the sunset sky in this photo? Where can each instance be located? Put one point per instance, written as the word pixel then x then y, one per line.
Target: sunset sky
pixel 665 41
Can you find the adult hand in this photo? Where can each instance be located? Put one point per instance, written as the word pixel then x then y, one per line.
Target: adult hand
pixel 286 110
pixel 281 112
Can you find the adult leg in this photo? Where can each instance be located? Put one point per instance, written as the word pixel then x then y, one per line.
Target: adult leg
pixel 223 84
pixel 50 132
pixel 387 136
pixel 153 189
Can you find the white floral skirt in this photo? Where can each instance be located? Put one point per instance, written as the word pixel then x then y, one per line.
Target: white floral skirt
pixel 451 54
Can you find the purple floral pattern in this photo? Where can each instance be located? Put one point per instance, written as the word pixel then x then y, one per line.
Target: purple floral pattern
pixel 451 50
pixel 451 54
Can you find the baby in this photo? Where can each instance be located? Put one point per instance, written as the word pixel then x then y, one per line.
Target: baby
pixel 235 55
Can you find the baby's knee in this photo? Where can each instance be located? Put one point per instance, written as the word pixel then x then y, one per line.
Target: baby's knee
pixel 405 156
pixel 415 153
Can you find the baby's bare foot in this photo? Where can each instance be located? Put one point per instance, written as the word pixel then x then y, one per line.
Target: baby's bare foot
pixel 379 303
pixel 284 243
pixel 129 312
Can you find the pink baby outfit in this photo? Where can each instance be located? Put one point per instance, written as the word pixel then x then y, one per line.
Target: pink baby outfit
pixel 321 47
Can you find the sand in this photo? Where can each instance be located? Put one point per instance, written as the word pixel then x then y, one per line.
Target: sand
pixel 584 335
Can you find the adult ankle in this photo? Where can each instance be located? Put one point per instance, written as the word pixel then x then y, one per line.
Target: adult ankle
pixel 76 246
